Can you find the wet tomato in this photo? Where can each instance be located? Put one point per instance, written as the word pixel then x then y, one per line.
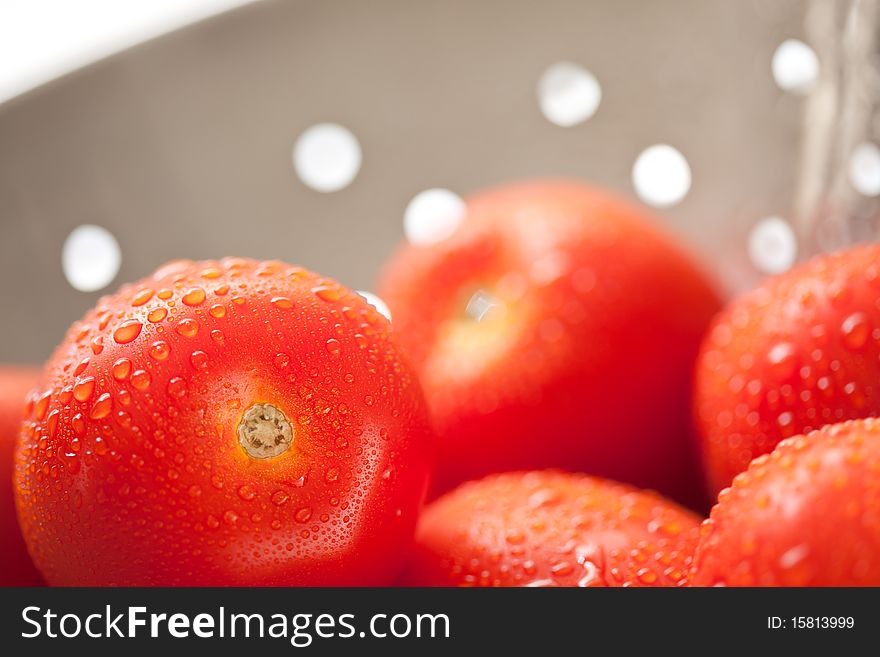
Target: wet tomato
pixel 224 423
pixel 557 327
pixel 799 352
pixel 550 528
pixel 18 569
pixel 807 514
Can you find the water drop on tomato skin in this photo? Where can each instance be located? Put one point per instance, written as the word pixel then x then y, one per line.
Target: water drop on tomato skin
pixel 855 330
pixel 177 387
pixel 187 327
pixel 102 407
pixel 199 360
pixel 194 297
pixel 157 315
pixel 84 388
pixel 121 369
pixel 218 311
pixel 160 350
pixel 334 347
pixel 141 380
pixel 142 297
pixel 127 331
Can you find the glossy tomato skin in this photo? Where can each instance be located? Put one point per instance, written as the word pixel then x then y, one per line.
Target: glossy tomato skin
pixel 130 470
pixel 586 360
pixel 797 353
pixel 15 383
pixel 550 528
pixel 807 514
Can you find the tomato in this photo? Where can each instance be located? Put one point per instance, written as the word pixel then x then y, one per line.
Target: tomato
pixel 808 514
pixel 225 423
pixel 18 569
pixel 799 352
pixel 550 528
pixel 557 327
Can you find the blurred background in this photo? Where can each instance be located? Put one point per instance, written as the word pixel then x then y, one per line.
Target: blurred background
pixel 324 133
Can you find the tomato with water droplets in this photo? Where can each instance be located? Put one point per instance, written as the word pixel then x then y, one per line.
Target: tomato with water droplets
pixel 194 448
pixel 15 384
pixel 807 514
pixel 549 528
pixel 557 327
pixel 798 353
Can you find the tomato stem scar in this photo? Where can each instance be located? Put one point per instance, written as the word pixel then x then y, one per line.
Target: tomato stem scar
pixel 264 431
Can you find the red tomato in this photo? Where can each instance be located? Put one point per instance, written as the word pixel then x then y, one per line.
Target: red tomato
pixel 557 327
pixel 797 353
pixel 808 514
pixel 18 569
pixel 225 423
pixel 551 528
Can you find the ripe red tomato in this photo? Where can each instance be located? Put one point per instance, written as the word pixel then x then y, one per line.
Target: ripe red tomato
pixel 557 327
pixel 799 352
pixel 549 528
pixel 808 514
pixel 225 423
pixel 18 569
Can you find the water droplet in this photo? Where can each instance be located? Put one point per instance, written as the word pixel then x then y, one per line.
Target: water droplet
pixel 646 576
pixel 331 475
pixel 199 360
pixel 218 310
pixel 282 302
pixel 781 358
pixel 562 569
pixel 333 347
pixel 84 388
pixel 160 350
pixel 187 327
pixel 127 331
pixel 103 406
pixel 83 364
pixel 52 422
pixel 177 387
pixel 157 315
pixel 78 424
pixel 98 344
pixel 327 293
pixel 304 514
pixel 281 361
pixel 246 493
pixel 785 419
pixel 141 379
pixel 217 335
pixel 377 303
pixel 194 297
pixel 142 297
pixel 279 498
pixel 194 491
pixel 855 329
pixel 230 517
pixel 121 369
